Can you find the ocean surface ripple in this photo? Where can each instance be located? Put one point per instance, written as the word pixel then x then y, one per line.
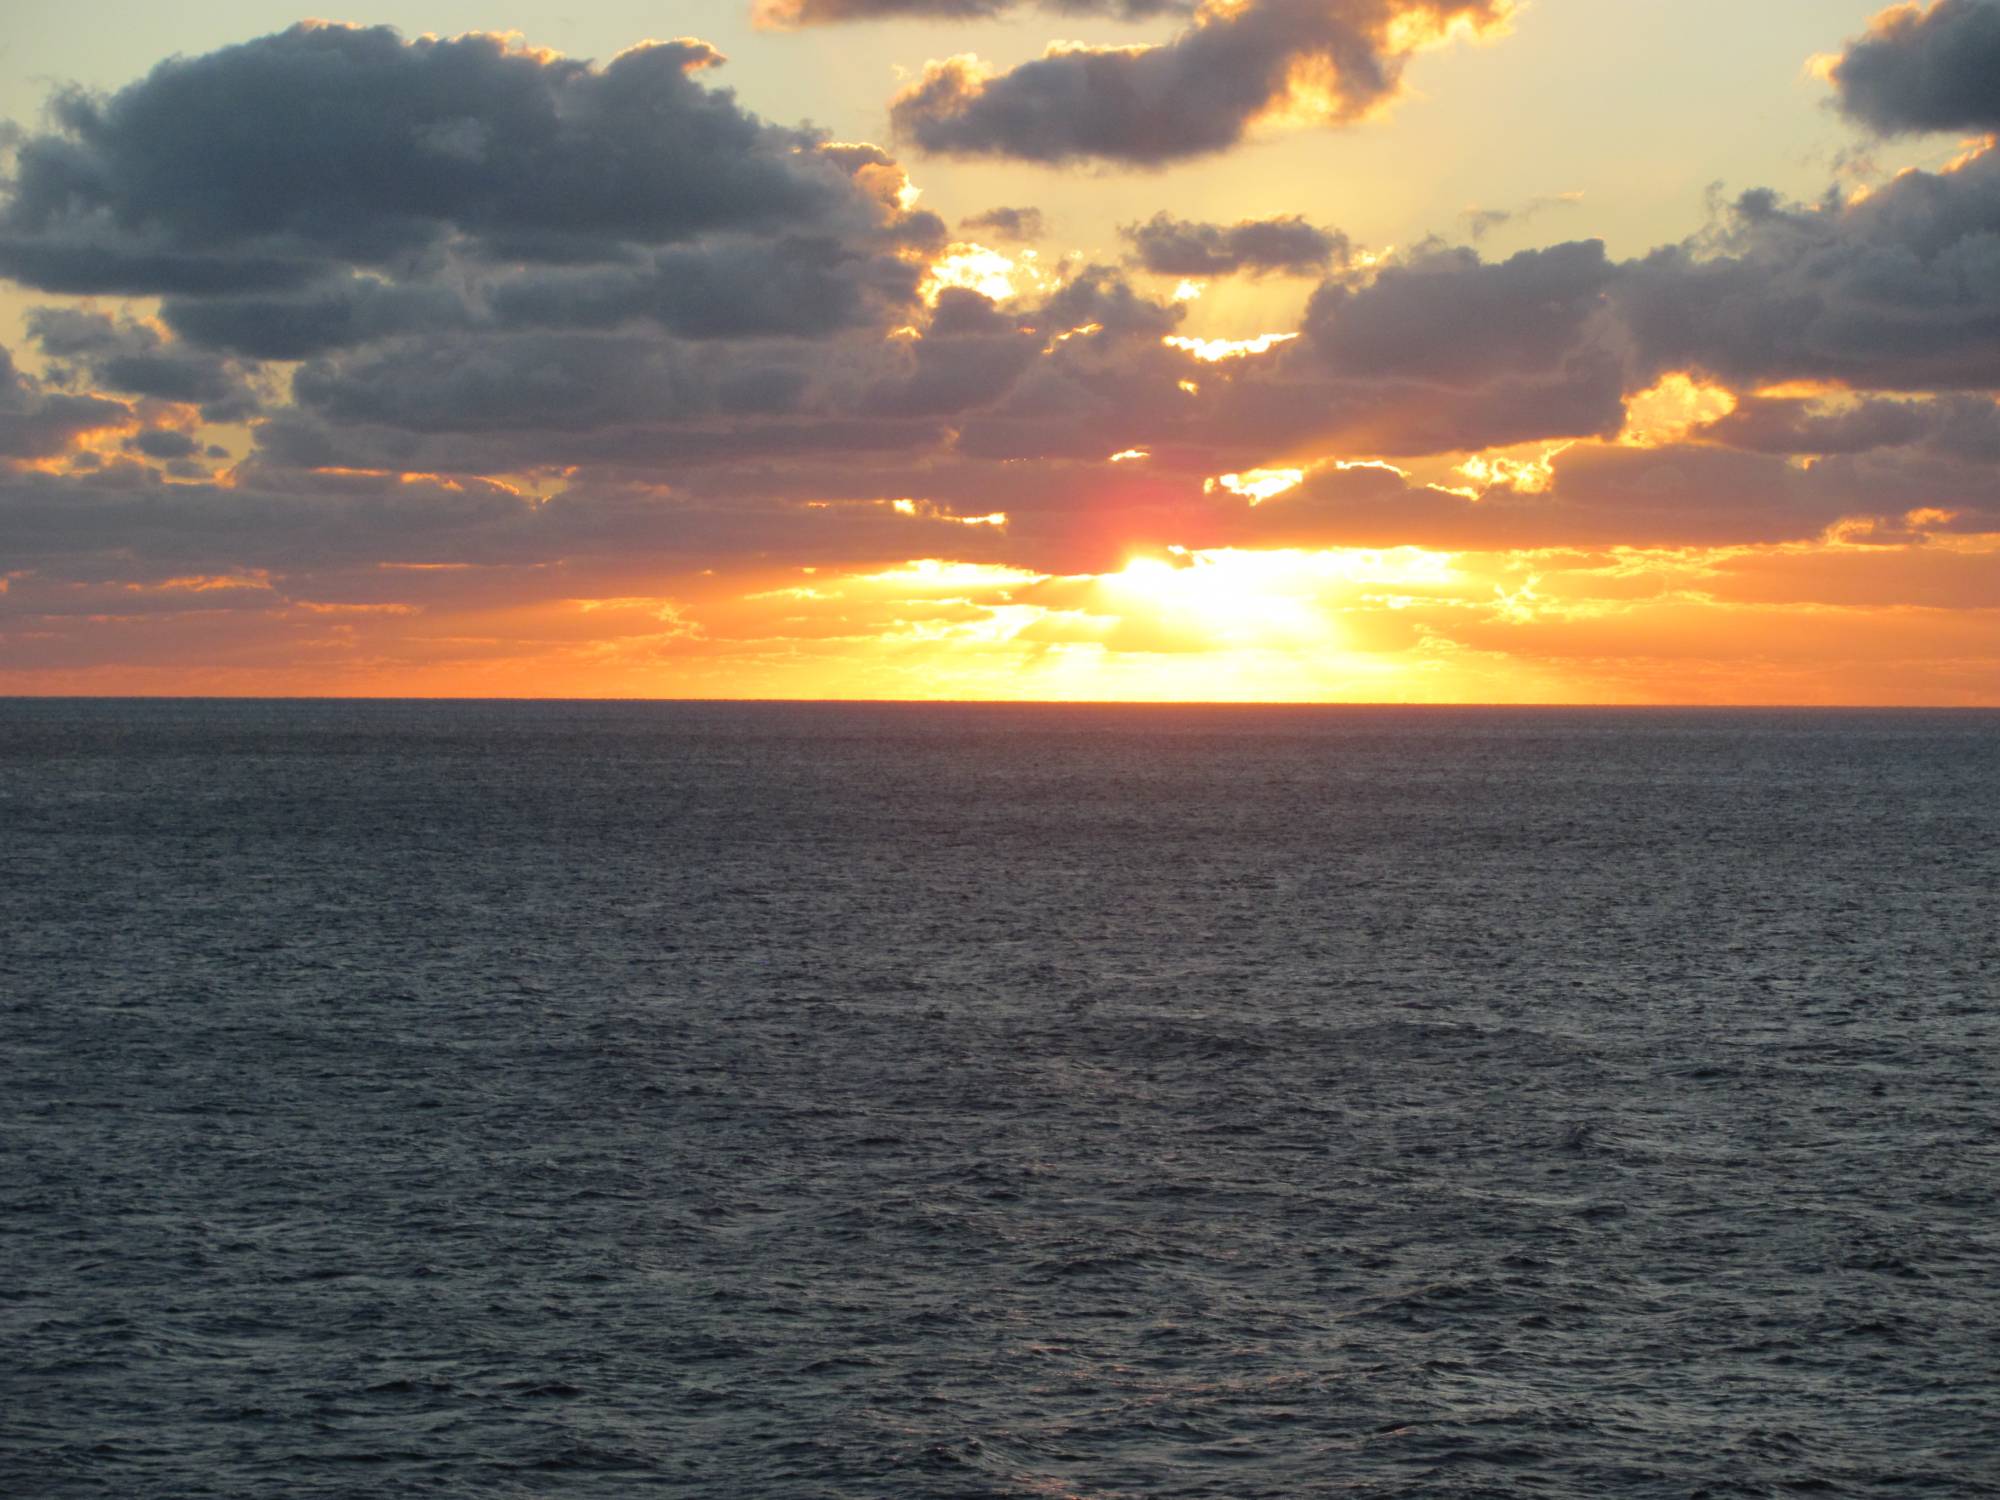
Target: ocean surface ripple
pixel 499 1100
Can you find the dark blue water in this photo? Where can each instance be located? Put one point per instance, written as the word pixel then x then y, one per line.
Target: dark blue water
pixel 608 1100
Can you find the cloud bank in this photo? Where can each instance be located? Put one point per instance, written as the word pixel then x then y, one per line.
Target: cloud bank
pixel 503 332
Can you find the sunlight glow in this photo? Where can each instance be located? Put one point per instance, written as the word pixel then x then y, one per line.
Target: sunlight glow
pixel 1257 485
pixel 1209 351
pixel 1216 600
pixel 929 511
pixel 1419 30
pixel 1082 331
pixel 1673 408
pixel 976 268
pixel 1528 470
pixel 936 573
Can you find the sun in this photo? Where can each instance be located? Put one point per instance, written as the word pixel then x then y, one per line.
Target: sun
pixel 1284 599
pixel 1222 599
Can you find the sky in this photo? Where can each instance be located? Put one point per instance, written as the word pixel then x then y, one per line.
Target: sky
pixel 1580 351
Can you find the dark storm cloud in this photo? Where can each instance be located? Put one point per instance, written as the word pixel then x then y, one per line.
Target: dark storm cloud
pixel 784 14
pixel 259 166
pixel 1900 291
pixel 1925 69
pixel 1290 246
pixel 1019 225
pixel 1194 95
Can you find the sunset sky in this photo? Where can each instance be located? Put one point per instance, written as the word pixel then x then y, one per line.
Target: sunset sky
pixel 1595 351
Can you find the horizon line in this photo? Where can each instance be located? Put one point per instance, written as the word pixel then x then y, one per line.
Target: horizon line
pixel 1137 703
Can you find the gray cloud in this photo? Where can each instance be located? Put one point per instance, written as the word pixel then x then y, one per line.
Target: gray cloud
pixel 1019 225
pixel 1099 295
pixel 563 382
pixel 164 443
pixel 39 423
pixel 96 350
pixel 1192 96
pixel 1932 69
pixel 970 356
pixel 1449 317
pixel 262 166
pixel 1768 424
pixel 1666 497
pixel 338 314
pixel 87 529
pixel 1900 291
pixel 1290 246
pixel 62 259
pixel 795 286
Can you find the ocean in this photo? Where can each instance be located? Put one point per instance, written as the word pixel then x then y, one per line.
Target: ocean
pixel 759 1100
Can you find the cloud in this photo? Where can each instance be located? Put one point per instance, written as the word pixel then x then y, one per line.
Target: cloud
pixel 483 383
pixel 1288 246
pixel 796 286
pixel 337 314
pixel 133 358
pixel 567 393
pixel 1097 296
pixel 1324 61
pixel 36 423
pixel 1449 317
pixel 81 528
pixel 1480 222
pixel 1014 225
pixel 1921 69
pixel 1897 292
pixel 263 167
pixel 971 355
pixel 1769 424
pixel 1599 495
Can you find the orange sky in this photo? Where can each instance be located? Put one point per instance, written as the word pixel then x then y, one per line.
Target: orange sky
pixel 579 379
